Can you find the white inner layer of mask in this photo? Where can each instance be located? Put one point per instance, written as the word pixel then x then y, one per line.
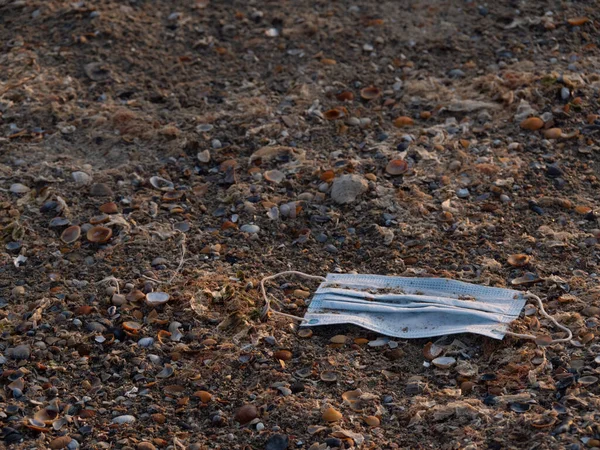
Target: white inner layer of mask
pixel 414 307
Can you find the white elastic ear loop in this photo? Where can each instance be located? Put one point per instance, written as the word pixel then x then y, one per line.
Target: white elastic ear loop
pixel 268 301
pixel 547 316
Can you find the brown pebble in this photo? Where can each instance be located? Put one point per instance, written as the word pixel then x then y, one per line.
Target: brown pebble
pixel 552 133
pixel 372 421
pixel 284 355
pixel 338 339
pixel 109 208
pixel 532 124
pixel 159 418
pixel 403 121
pixel 466 387
pixel 100 190
pixel 246 414
pixel 145 446
pixel 204 396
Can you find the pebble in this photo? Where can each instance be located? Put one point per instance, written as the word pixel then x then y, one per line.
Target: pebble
pixel 456 73
pixel 347 188
pixel 81 178
pixel 462 193
pixel 444 362
pixel 246 414
pixel 331 415
pixel 216 144
pixel 277 442
pixel 146 446
pixel 100 190
pixel 19 352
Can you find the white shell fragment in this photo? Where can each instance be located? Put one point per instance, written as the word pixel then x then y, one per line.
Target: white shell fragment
pixel 157 298
pixel 121 420
pixel 444 362
pixel 161 184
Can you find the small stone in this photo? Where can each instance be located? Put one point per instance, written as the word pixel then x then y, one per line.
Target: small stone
pixel 100 190
pixel 204 156
pixel 19 352
pixel 297 387
pixel 118 300
pixel 260 426
pixel 246 414
pixel 462 193
pixel 456 73
pixel 338 339
pixel 444 362
pixel 18 291
pixel 60 442
pixel 283 355
pixel 277 442
pixel 145 446
pixel 81 178
pixel 347 188
pixel 252 229
pixel 372 421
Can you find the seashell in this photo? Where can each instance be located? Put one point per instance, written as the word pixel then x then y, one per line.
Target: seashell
pixel 518 260
pixel 19 352
pixel 329 376
pixel 444 362
pixel 380 342
pixel 370 93
pixel 520 407
pixel 361 341
pixel 81 178
pixel 204 396
pixel 345 96
pixel 125 419
pixel 167 371
pixel 396 167
pixel 161 184
pixel 248 228
pixel 157 298
pixel 18 188
pixel 403 121
pixel 331 415
pixel 36 425
pixel 204 156
pixel 109 208
pixel 305 333
pixel 283 355
pixel 71 234
pixel 135 296
pixel 100 218
pixel 583 210
pixel 146 342
pixel 58 222
pixel 162 334
pixel 333 114
pixel 99 234
pixel 532 124
pixel 274 176
pixel 525 279
pixel 100 190
pixel 132 327
pixel 327 176
pixel 172 196
pixel 587 380
pixel 432 351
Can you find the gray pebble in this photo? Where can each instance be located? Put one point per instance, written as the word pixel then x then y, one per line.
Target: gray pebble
pixel 247 228
pixel 462 193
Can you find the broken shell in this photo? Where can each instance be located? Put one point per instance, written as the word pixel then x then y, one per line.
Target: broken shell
pixel 125 419
pixel 519 260
pixel 135 296
pixel 331 415
pixel 99 234
pixel 204 396
pixel 403 121
pixel 587 380
pixel 345 96
pixel 526 278
pixel 532 124
pixel 274 176
pixel 329 376
pixel 583 210
pixel 396 167
pixel 167 371
pixel 133 327
pixel 36 425
pixel 157 298
pixel 172 196
pixel 71 234
pixel 246 414
pixel 520 407
pixel 305 333
pixel 283 355
pixel 444 362
pixel 370 93
pixel 161 184
pixel 333 114
pixel 432 351
pixel 552 133
pixel 338 339
pixel 100 218
pixel 372 421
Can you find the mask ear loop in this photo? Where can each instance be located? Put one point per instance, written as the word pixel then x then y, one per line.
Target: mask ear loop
pixel 547 316
pixel 268 307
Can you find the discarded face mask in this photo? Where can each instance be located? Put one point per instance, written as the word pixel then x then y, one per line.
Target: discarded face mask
pixel 415 307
